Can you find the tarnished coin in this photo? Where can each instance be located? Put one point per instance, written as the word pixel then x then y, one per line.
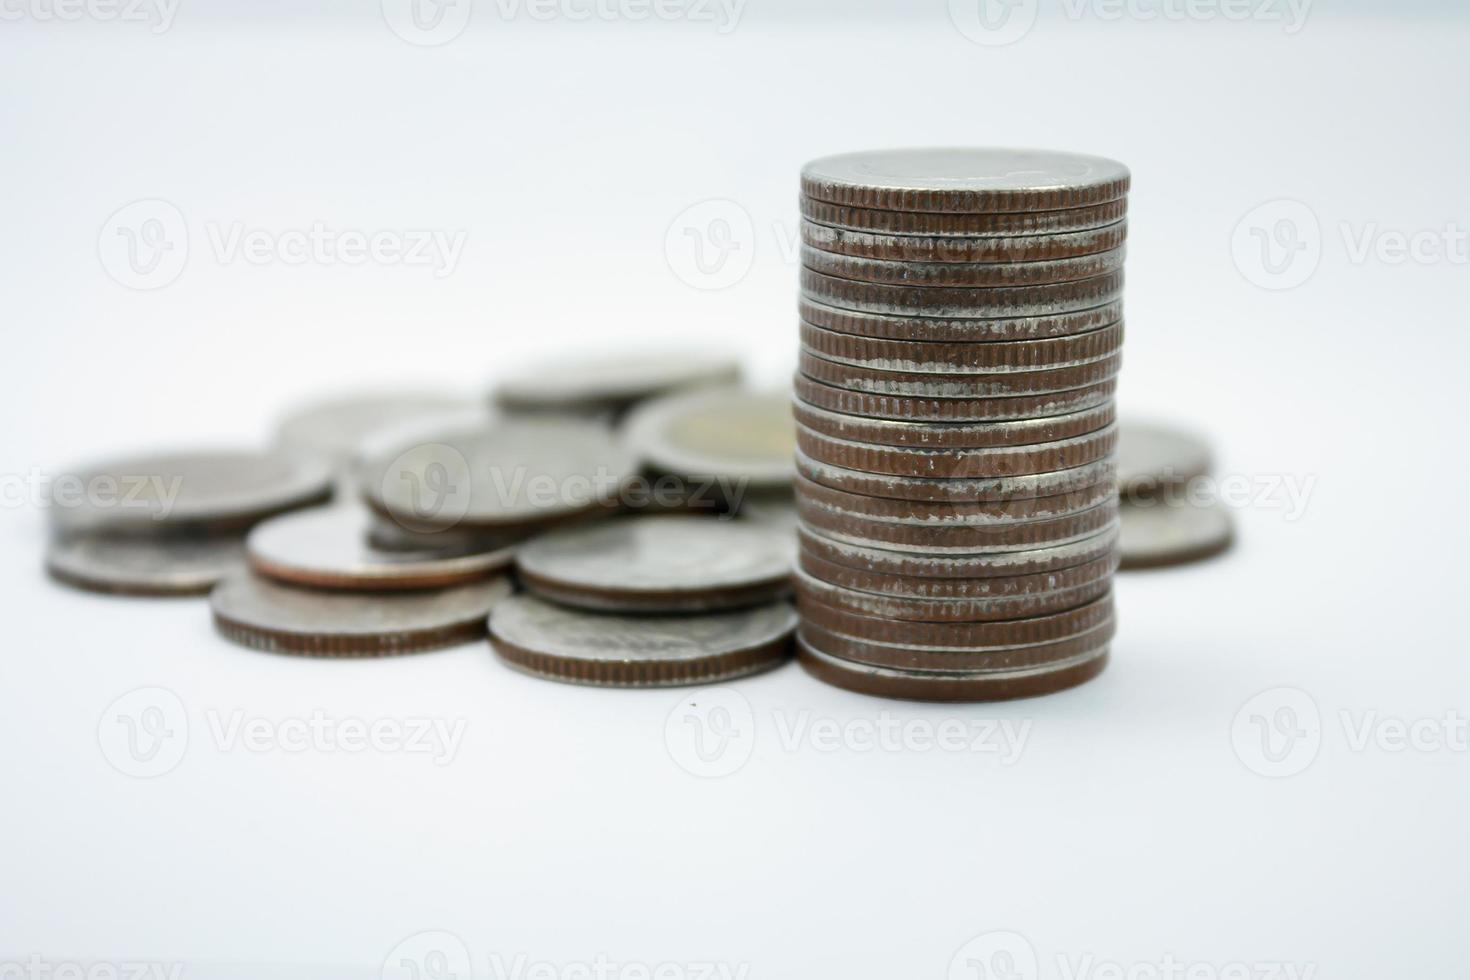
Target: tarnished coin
pixel 1153 456
pixel 1044 457
pixel 927 357
pixel 948 660
pixel 613 379
pixel 887 682
pixel 659 564
pixel 956 490
pixel 329 547
pixel 887 562
pixel 950 248
pixel 952 435
pixel 564 644
pixel 257 612
pixel 964 609
pixel 961 274
pixel 214 491
pixel 995 591
pixel 341 428
pixel 952 512
pixel 994 302
pixel 957 330
pixel 964 179
pixel 515 473
pixel 726 435
pixel 152 566
pixel 1156 534
pixel 1004 384
pixel 974 225
pixel 956 539
pixel 906 409
pixel 958 635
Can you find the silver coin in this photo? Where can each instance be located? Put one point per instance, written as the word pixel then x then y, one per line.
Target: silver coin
pixel 158 566
pixel 659 564
pixel 340 427
pixel 386 535
pixel 329 547
pixel 217 490
pixel 728 435
pixel 771 508
pixel 514 473
pixel 1154 456
pixel 640 651
pixel 1158 534
pixel 256 612
pixel 907 272
pixel 614 380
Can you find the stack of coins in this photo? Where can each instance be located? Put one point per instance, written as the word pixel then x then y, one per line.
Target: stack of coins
pixel 960 338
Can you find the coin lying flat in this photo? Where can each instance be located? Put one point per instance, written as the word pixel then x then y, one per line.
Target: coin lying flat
pixel 964 274
pixel 957 330
pixel 967 358
pixel 995 661
pixel 812 590
pixel 993 302
pixel 772 508
pixel 994 461
pixel 952 435
pixel 330 547
pixel 152 566
pixel 510 473
pixel 967 635
pixel 613 379
pixel 387 535
pixel 1158 534
pixel 1003 384
pixel 659 564
pixel 887 562
pixel 902 408
pixel 256 612
pixel 956 490
pixel 338 428
pixel 722 434
pixel 563 644
pixel 950 248
pixel 964 179
pixel 943 513
pixel 996 589
pixel 972 225
pixel 956 539
pixel 216 491
pixel 1152 456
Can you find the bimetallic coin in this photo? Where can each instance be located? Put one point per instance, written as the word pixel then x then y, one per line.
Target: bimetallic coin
pixel 908 409
pixel 521 473
pixel 206 491
pixel 956 539
pixel 944 513
pixel 613 379
pixel 659 564
pixel 812 590
pixel 1000 564
pixel 950 248
pixel 956 490
pixel 957 330
pixel 563 644
pixel 927 357
pixel 951 660
pixel 259 613
pixel 1157 534
pixel 976 225
pixel 329 547
pixel 961 274
pixel 964 179
pixel 952 435
pixel 338 429
pixel 1151 457
pixel 150 566
pixel 728 435
pixel 1002 461
pixel 995 302
pixel 1004 384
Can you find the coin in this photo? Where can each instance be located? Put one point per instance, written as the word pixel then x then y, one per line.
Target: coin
pixel 727 435
pixel 959 330
pixel 956 490
pixel 339 427
pixel 151 566
pixel 954 539
pixel 330 547
pixel 659 564
pixel 613 379
pixel 976 225
pixel 995 589
pixel 952 435
pixel 907 409
pixel 950 248
pixel 1044 457
pixel 887 562
pixel 514 473
pixel 1004 384
pixel 564 644
pixel 205 491
pixel 964 179
pixel 963 609
pixel 888 682
pixel 1157 534
pixel 961 274
pixel 257 612
pixel 773 508
pixel 992 302
pixel 950 660
pixel 387 535
pixel 958 635
pixel 948 512
pixel 928 357
pixel 1153 456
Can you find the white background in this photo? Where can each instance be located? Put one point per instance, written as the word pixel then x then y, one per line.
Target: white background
pixel 1130 829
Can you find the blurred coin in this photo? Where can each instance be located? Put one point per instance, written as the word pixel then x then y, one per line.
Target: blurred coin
pixel 1002 461
pixel 257 612
pixel 329 547
pixel 887 562
pixel 956 539
pixel 386 535
pixel 915 409
pixel 963 609
pixel 563 644
pixel 1154 456
pixel 997 302
pixel 215 491
pixel 613 379
pixel 339 427
pixel 520 473
pixel 1005 384
pixel 964 179
pixel 773 508
pixel 950 660
pixel 727 435
pixel 996 223
pixel 966 358
pixel 659 564
pixel 957 330
pixel 152 566
pixel 1156 534
pixel 952 435
pixel 961 274
pixel 949 248
pixel 956 490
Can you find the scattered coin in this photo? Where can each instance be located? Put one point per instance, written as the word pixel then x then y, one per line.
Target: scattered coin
pixel 726 435
pixel 773 508
pixel 1151 457
pixel 151 566
pixel 659 564
pixel 257 612
pixel 338 428
pixel 330 547
pixel 564 644
pixel 1157 534
pixel 613 380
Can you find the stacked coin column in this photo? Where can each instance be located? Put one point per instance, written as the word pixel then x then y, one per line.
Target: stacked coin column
pixel 960 338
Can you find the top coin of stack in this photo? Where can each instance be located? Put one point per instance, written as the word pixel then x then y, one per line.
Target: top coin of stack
pixel 961 330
